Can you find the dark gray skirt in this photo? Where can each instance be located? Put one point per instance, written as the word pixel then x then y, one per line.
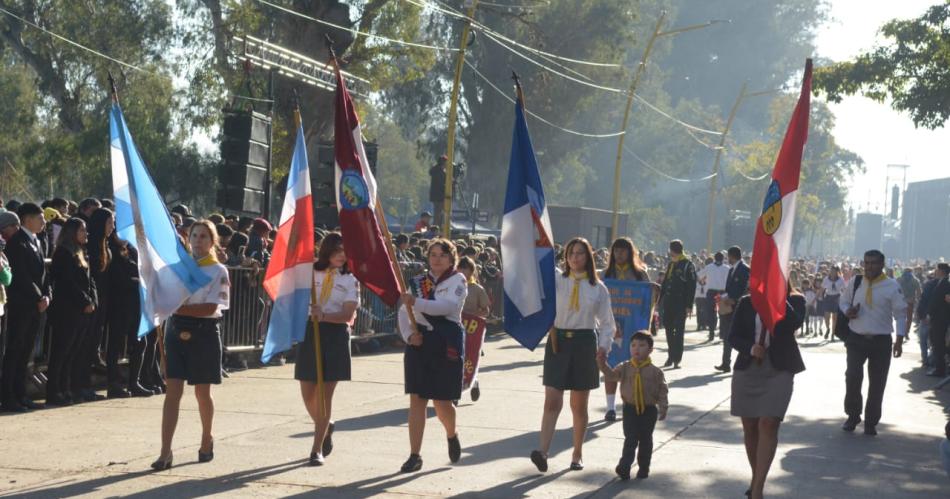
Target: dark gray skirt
pixel 335 350
pixel 193 350
pixel 761 391
pixel 574 366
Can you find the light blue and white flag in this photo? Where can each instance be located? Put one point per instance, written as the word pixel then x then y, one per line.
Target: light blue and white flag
pixel 167 273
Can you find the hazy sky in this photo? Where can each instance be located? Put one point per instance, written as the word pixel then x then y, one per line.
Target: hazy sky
pixel 879 134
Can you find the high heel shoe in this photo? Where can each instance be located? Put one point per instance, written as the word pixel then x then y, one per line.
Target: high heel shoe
pixel 206 457
pixel 162 464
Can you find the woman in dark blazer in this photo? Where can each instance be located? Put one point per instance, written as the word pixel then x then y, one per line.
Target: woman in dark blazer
pixel 74 301
pixel 763 380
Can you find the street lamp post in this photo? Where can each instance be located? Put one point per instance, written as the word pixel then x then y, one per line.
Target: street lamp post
pixel 631 93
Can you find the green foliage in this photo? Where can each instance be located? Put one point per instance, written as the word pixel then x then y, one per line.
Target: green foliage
pixel 911 69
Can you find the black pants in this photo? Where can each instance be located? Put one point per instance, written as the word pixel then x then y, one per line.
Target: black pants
pixel 123 326
pixel 711 314
pixel 701 320
pixel 69 327
pixel 638 432
pixel 674 321
pixel 938 339
pixel 150 373
pixel 88 350
pixel 876 350
pixel 724 330
pixel 23 324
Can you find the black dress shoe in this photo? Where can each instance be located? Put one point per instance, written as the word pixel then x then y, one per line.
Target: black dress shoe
pixel 29 404
pixel 413 464
pixel 676 365
pixel 668 363
pixel 206 457
pixel 722 368
pixel 138 390
pixel 611 415
pixel 316 459
pixel 327 447
pixel 851 423
pixel 870 429
pixel 58 400
pixel 455 449
pixel 162 464
pixel 577 465
pixel 91 396
pixel 118 393
pixel 643 473
pixel 539 460
pixel 622 471
pixel 13 407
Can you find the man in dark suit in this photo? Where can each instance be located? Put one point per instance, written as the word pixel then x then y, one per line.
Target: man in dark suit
pixel 679 288
pixel 28 298
pixel 938 311
pixel 737 285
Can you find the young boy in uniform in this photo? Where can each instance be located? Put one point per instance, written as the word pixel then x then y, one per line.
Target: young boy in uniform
pixel 643 390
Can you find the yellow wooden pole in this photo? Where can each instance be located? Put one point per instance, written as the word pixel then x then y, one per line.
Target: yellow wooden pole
pixel 453 117
pixel 626 119
pixel 713 182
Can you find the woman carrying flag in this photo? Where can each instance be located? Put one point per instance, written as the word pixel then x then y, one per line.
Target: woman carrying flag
pixel 570 356
pixel 193 345
pixel 335 310
pixel 623 264
pixel 435 349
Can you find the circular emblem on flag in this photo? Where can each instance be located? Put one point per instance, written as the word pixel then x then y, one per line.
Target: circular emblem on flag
pixel 772 209
pixel 354 194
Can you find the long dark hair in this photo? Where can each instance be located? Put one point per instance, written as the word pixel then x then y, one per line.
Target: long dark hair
pixel 67 240
pixel 99 255
pixel 589 266
pixel 639 270
pixel 331 243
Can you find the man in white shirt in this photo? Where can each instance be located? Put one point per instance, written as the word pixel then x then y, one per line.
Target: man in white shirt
pixel 713 277
pixel 872 309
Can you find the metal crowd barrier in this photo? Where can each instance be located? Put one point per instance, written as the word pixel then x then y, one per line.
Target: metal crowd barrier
pixel 244 324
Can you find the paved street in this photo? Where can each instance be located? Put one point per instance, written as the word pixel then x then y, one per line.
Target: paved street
pixel 263 437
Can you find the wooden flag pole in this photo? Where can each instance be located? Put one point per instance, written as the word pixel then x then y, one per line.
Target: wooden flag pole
pixel 381 218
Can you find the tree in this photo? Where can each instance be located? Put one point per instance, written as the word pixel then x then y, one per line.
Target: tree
pixel 911 69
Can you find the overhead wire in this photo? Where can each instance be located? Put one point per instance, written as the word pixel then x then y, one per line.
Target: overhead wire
pixel 485 29
pixel 664 174
pixel 357 32
pixel 536 116
pixel 75 44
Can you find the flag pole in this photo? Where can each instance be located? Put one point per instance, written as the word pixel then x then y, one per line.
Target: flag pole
pixel 160 329
pixel 317 350
pixel 381 216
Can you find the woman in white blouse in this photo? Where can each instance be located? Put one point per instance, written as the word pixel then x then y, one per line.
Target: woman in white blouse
pixel 338 297
pixel 193 345
pixel 435 350
pixel 570 356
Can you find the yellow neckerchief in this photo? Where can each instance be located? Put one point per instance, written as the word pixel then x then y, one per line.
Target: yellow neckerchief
pixel 327 287
pixel 209 259
pixel 576 290
pixel 676 259
pixel 638 400
pixel 620 270
pixel 869 293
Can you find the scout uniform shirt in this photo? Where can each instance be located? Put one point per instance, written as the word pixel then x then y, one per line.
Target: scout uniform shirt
pixel 592 308
pixel 652 381
pixel 218 291
pixel 449 298
pixel 340 289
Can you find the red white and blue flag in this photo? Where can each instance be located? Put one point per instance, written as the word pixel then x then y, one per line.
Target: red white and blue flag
pixel 366 253
pixel 289 275
pixel 768 279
